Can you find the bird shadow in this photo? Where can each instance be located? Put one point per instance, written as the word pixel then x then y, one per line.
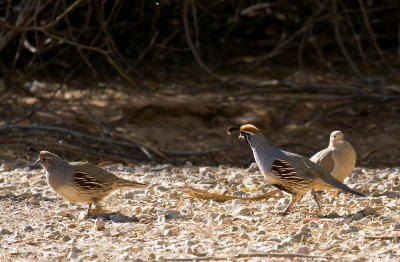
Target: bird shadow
pixel 356 216
pixel 116 217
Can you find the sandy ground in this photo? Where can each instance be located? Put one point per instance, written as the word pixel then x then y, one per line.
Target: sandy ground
pixel 163 222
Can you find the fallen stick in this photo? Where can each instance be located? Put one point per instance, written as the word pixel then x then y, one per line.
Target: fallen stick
pixel 383 237
pixel 285 255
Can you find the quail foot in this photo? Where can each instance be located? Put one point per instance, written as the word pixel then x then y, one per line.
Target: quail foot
pixel 287 171
pixel 80 182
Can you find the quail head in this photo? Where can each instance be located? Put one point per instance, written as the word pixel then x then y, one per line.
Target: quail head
pixel 287 171
pixel 81 182
pixel 339 158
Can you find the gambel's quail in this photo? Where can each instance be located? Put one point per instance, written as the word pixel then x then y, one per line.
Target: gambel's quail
pixel 80 182
pixel 287 171
pixel 338 158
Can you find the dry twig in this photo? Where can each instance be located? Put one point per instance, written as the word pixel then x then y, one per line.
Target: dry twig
pixel 249 255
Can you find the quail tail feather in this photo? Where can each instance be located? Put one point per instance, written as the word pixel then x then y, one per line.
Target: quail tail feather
pixel 336 183
pixel 122 183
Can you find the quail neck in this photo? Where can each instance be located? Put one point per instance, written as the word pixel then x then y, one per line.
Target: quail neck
pixel 261 146
pixel 257 141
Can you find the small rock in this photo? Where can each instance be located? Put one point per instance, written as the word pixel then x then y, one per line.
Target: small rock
pixel 325 226
pixel 313 224
pixel 239 193
pixel 82 215
pixel 62 213
pixel 274 239
pixel 233 228
pixel 53 235
pixel 26 195
pixel 369 211
pixel 354 176
pixel 174 195
pixel 73 255
pixel 350 229
pixel 261 232
pixel 172 214
pixel 282 204
pixel 65 238
pixel 333 214
pixel 303 250
pixel 161 188
pixel 300 237
pixel 210 176
pixel 357 216
pixel 125 256
pixel 121 218
pixel 166 226
pixel 161 219
pixel 241 211
pixel 137 209
pixel 396 188
pixel 225 221
pixel 238 202
pixel 383 175
pixel 393 178
pixel 285 243
pixel 213 215
pixel 376 200
pixel 4 231
pixel 190 243
pixel 166 167
pixel 74 248
pixel 343 221
pixel 204 170
pixel 128 195
pixel 397 226
pixel 304 229
pixel 100 224
pixel 167 232
pixel 244 227
pixel 28 229
pixel 252 168
pixel 220 217
pixel 152 210
pixel 244 236
pixel 189 250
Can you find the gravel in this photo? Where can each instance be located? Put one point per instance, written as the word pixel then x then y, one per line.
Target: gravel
pixel 164 222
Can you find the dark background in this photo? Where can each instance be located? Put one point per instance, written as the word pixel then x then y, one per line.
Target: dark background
pixel 160 81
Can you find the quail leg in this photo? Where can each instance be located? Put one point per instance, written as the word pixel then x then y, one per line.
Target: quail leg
pixel 313 193
pixel 88 212
pixel 294 199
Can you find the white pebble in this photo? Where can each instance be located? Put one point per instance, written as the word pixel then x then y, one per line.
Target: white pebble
pixel 100 224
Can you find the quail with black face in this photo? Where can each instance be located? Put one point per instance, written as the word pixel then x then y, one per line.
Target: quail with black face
pixel 287 171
